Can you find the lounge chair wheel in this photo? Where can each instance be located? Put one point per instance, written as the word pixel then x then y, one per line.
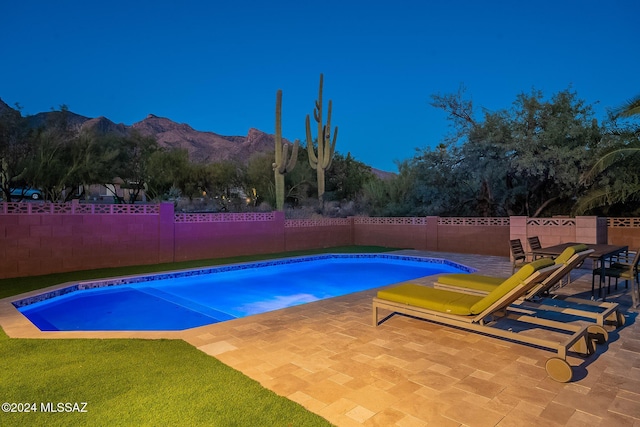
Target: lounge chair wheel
pixel 559 370
pixel 599 333
pixel 621 320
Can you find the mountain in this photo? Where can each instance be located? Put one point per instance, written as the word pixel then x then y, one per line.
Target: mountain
pixel 203 147
pixel 74 120
pixel 104 126
pixel 4 107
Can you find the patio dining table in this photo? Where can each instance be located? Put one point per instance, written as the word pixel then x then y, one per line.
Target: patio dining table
pixel 600 255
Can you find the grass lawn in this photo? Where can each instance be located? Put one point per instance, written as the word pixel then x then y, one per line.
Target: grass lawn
pixel 127 382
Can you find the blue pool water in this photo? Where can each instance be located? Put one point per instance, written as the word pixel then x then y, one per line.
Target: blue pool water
pixel 181 300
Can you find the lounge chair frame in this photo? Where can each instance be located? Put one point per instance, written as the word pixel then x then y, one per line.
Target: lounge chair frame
pixel 578 340
pixel 609 313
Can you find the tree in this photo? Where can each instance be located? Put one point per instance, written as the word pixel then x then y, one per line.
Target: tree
pixel 132 162
pixel 16 148
pixel 460 176
pixel 169 169
pixel 55 160
pixel 553 142
pixel 259 178
pixel 346 177
pixel 629 109
pixel 613 179
pixel 102 161
pixel 391 197
pixel 472 162
pixel 523 161
pixel 220 179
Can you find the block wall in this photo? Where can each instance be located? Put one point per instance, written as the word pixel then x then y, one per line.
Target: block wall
pixel 246 235
pixel 43 244
pixel 405 233
pixel 38 239
pixel 312 234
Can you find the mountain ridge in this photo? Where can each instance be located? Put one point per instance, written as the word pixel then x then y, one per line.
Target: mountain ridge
pixel 202 146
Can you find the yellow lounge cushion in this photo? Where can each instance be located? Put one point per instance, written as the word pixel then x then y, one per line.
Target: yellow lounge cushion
pixel 471 281
pixel 455 302
pixel 487 284
pixel 430 298
pixel 569 252
pixel 509 284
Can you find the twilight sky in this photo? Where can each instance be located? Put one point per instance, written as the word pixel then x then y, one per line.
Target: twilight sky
pixel 217 65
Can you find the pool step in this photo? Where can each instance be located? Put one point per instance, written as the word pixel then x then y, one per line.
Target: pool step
pixel 191 305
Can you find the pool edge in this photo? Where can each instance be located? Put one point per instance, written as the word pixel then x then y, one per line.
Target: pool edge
pixel 16 325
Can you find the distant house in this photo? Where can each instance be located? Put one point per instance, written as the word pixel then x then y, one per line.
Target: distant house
pixel 107 192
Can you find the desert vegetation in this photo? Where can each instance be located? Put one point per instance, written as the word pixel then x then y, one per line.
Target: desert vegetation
pixel 541 156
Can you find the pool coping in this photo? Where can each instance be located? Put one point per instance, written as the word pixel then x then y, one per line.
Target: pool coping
pixel 16 325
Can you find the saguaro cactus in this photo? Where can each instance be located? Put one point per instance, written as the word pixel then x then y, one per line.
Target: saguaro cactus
pixel 282 165
pixel 326 147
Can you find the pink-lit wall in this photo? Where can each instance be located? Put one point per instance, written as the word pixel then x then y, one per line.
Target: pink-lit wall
pixel 201 236
pixel 41 243
pixel 624 231
pixel 405 233
pixel 38 238
pixel 319 233
pixel 486 236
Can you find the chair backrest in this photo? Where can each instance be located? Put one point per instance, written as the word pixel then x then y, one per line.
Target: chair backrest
pixel 534 243
pixel 569 259
pixel 636 260
pixel 517 250
pixel 515 286
pixel 633 267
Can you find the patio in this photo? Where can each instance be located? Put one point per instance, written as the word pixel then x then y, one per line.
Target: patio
pixel 408 372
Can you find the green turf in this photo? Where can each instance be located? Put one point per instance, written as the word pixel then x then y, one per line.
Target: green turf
pixel 130 382
pixel 127 382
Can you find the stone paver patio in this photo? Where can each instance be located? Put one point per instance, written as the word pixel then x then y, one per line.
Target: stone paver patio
pixel 328 357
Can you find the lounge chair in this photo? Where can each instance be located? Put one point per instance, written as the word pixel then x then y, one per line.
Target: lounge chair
pixel 539 297
pixel 485 314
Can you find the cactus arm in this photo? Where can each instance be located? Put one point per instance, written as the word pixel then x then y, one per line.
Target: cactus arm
pixel 319 103
pixel 294 156
pixel 335 138
pixel 313 160
pixel 333 148
pixel 282 167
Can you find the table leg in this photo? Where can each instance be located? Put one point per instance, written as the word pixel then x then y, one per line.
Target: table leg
pixel 601 294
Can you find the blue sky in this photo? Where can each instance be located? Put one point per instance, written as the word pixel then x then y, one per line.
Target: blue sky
pixel 217 65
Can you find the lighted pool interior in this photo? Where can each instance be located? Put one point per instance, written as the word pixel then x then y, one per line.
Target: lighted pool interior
pixel 188 299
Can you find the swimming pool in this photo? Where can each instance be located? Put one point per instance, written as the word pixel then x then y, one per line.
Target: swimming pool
pixel 187 299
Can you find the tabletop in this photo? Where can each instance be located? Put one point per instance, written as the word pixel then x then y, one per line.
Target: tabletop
pixel 600 251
